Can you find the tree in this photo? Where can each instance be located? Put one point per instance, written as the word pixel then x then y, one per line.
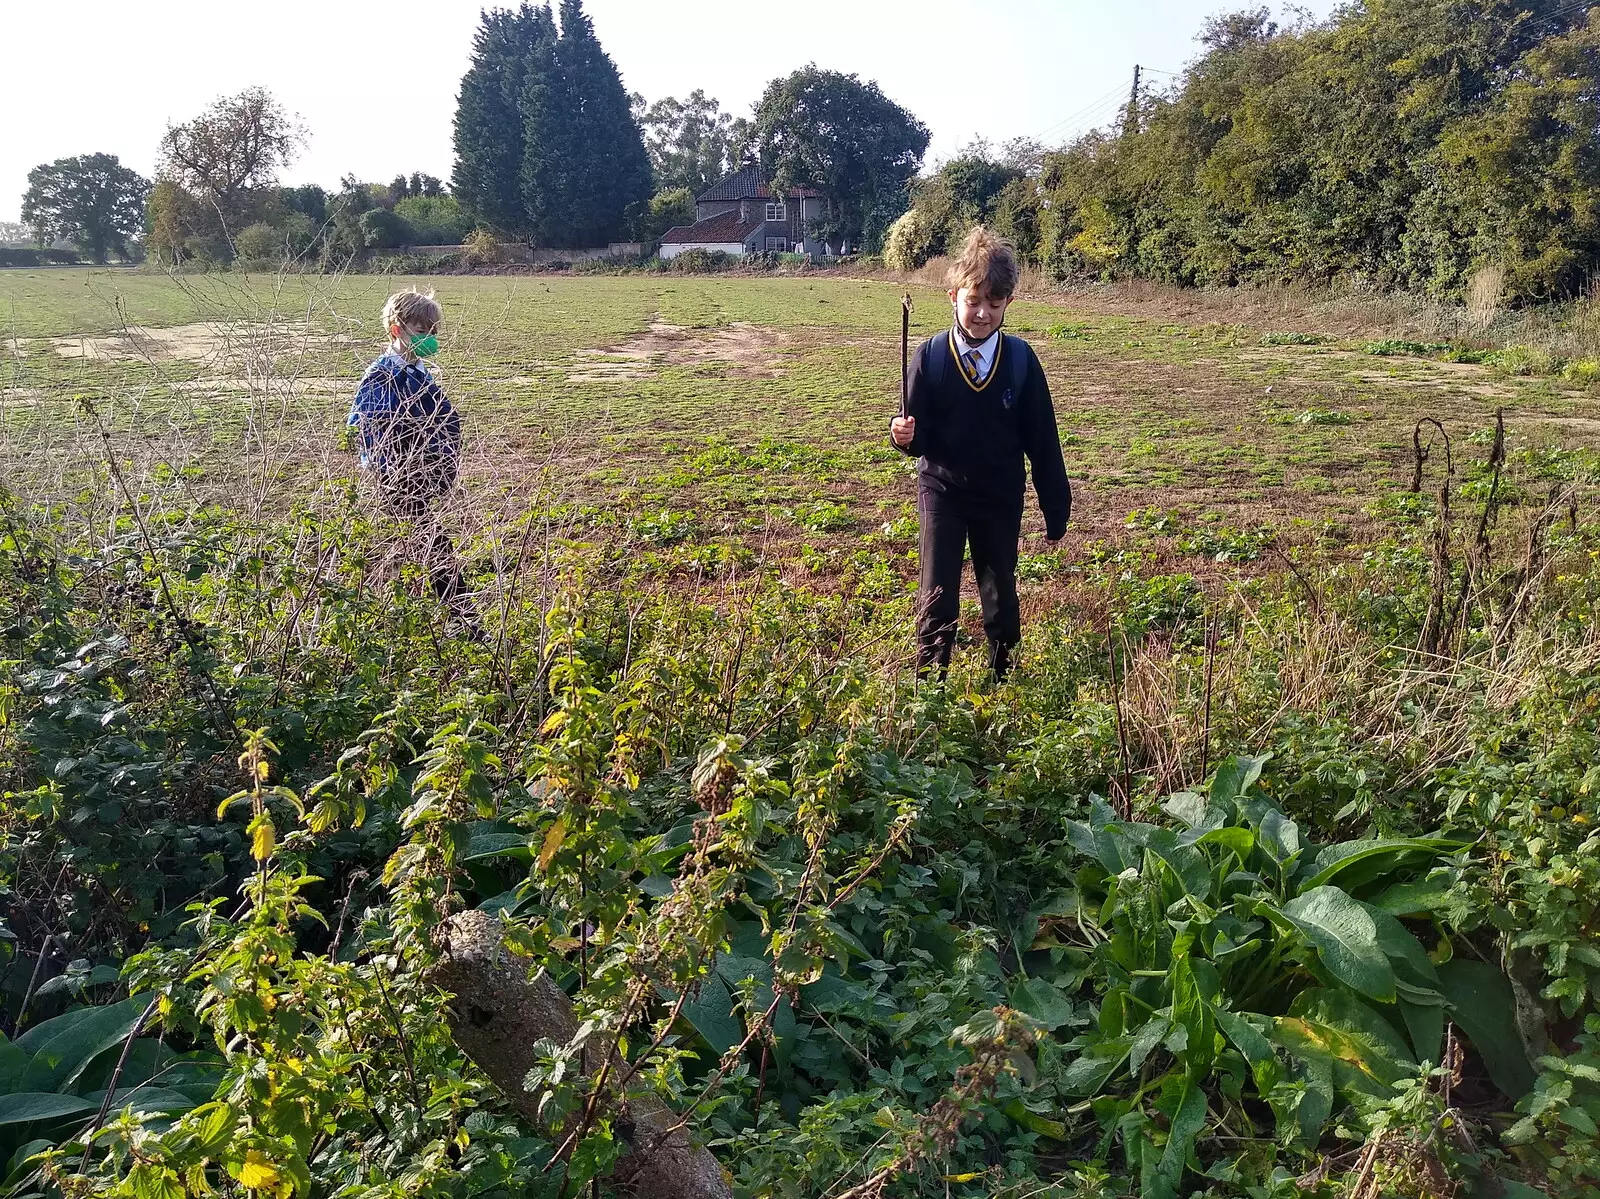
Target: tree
pixel 692 143
pixel 845 138
pixel 231 149
pixel 15 233
pixel 666 210
pixel 547 147
pixel 607 169
pixel 490 136
pixel 92 201
pixel 545 191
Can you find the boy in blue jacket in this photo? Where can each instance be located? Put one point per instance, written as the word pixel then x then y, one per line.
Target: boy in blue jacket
pixel 978 404
pixel 410 434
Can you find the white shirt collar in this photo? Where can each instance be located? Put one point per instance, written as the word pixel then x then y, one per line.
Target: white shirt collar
pixel 986 350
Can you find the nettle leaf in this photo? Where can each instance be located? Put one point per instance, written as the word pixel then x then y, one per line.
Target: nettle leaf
pixel 1483 1004
pixel 1346 940
pixel 1365 1051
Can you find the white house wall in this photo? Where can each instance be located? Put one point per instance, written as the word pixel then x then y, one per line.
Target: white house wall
pixel 672 250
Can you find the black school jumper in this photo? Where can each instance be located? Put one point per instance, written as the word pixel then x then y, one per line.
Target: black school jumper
pixel 971 440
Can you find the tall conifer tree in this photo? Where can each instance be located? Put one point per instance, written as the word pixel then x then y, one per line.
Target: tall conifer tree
pixel 546 109
pixel 487 177
pixel 547 146
pixel 609 168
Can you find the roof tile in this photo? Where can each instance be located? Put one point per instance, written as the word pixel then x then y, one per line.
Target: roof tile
pixel 724 228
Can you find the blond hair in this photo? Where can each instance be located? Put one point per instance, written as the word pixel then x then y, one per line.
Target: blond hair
pixel 987 262
pixel 412 308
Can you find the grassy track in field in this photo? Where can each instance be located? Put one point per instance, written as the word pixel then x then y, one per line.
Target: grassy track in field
pixel 694 410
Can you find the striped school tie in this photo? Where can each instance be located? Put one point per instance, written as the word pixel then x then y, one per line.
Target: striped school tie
pixel 973 362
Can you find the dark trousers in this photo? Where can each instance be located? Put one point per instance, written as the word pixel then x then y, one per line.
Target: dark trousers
pixel 949 522
pixel 415 506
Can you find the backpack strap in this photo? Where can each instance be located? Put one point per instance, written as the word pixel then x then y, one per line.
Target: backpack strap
pixel 1016 356
pixel 935 359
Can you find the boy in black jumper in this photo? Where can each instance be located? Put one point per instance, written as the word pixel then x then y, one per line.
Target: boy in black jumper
pixel 978 403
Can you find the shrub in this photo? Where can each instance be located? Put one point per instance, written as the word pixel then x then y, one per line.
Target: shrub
pixel 484 248
pixel 382 229
pixel 700 262
pixel 434 220
pixel 259 243
pixel 909 244
pixel 10 257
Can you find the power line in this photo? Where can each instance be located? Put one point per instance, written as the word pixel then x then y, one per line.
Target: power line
pixel 1089 118
pixel 1115 94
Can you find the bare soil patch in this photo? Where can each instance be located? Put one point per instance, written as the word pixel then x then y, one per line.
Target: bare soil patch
pixel 743 344
pixel 224 344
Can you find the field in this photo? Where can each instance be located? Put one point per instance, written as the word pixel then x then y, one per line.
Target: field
pixel 1271 871
pixel 734 411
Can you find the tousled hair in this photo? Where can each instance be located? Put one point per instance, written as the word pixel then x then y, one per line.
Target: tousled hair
pixel 411 307
pixel 988 262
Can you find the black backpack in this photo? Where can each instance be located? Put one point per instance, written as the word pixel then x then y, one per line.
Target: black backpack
pixel 1014 357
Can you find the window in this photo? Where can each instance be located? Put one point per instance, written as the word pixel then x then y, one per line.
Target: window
pixel 780 244
pixel 778 211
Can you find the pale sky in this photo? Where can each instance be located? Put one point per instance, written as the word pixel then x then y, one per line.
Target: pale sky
pixel 376 83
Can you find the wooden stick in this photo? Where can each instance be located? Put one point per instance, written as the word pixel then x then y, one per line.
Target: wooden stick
pixel 905 349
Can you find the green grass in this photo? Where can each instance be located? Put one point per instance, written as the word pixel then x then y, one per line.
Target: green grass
pixel 754 408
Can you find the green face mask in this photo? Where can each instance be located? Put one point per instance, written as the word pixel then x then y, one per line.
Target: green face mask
pixel 424 345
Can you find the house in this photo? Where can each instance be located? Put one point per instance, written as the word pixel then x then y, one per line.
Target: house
pixel 740 215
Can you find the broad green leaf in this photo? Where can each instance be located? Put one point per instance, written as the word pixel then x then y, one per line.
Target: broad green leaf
pixel 1043 1002
pixel 24 1107
pixel 1405 953
pixel 1316 1105
pixel 1235 777
pixel 1155 1031
pixel 1235 840
pixel 1187 864
pixel 1358 863
pixel 159 1100
pixel 1434 896
pixel 1088 1073
pixel 19 1166
pixel 1425 1026
pixel 1253 1044
pixel 1278 835
pixel 1034 1122
pixel 63 1047
pixel 1365 1051
pixel 1191 1011
pixel 1483 1005
pixel 711 1013
pixel 497 844
pixel 1187 806
pixel 1187 1122
pixel 13 1062
pixel 1346 940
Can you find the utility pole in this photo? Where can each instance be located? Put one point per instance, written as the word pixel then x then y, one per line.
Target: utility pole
pixel 1130 122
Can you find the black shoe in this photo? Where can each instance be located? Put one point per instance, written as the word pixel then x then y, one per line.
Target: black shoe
pixel 999 660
